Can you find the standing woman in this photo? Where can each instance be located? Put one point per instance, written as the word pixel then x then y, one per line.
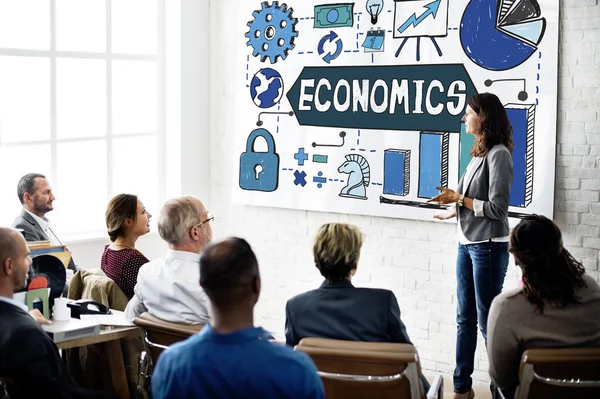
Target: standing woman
pixel 126 220
pixel 482 212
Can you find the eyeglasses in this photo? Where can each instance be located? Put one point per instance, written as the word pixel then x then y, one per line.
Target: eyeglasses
pixel 209 218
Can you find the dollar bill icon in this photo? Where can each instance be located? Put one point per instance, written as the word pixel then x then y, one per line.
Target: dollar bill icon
pixel 334 15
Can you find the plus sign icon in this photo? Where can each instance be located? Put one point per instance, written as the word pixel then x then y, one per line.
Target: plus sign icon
pixel 301 156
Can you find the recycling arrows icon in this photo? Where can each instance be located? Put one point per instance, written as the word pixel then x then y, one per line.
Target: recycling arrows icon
pixel 331 37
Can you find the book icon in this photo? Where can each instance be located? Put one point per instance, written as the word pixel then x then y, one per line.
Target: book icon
pixel 374 40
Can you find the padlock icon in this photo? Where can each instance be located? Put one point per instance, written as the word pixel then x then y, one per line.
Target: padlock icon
pixel 259 171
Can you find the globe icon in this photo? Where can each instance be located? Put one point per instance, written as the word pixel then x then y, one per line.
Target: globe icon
pixel 266 88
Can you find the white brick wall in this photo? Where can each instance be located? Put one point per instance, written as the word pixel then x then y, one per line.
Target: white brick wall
pixel 414 259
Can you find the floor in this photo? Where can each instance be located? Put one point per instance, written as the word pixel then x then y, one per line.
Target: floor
pixel 480 393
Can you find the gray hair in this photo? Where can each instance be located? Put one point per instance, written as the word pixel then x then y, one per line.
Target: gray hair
pixel 176 217
pixel 27 185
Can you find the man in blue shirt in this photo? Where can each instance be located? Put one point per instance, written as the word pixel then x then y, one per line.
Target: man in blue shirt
pixel 231 358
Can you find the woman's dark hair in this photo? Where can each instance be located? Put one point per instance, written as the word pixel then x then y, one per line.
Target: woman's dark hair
pixel 550 273
pixel 495 127
pixel 120 208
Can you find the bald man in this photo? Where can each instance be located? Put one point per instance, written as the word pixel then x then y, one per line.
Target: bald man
pixel 242 364
pixel 28 357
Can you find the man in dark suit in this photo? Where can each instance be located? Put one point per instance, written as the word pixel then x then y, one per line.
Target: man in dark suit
pixel 337 309
pixel 28 357
pixel 36 196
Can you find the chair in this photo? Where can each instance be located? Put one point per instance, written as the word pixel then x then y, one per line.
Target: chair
pixel 368 369
pixel 93 284
pixel 158 335
pixel 83 362
pixel 560 373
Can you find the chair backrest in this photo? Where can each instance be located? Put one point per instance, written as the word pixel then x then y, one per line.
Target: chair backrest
pixel 560 373
pixel 160 334
pixel 365 369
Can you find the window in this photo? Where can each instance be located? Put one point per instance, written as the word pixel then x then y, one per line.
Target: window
pixel 83 85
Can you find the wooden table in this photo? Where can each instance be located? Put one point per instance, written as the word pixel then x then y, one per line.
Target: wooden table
pixel 110 339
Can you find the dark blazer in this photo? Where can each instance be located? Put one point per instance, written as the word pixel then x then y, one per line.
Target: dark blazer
pixel 32 231
pixel 338 310
pixel 30 359
pixel 490 181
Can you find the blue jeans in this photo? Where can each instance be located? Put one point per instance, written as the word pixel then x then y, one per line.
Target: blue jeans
pixel 480 272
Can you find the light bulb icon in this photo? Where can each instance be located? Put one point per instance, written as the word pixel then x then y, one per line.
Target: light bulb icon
pixel 374 8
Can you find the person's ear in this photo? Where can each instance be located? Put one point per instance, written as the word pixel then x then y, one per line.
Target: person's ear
pixel 353 270
pixel 193 233
pixel 27 197
pixel 256 285
pixel 7 267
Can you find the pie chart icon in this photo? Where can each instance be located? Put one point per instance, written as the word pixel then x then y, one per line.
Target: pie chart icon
pixel 501 36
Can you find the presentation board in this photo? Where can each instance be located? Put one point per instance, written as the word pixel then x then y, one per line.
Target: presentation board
pixel 357 107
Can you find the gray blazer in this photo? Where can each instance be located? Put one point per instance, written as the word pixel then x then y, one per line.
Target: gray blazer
pixel 32 231
pixel 490 181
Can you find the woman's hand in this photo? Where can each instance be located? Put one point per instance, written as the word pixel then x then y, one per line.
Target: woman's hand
pixel 447 196
pixel 450 213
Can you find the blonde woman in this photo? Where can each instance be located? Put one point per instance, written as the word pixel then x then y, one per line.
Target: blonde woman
pixel 126 220
pixel 337 309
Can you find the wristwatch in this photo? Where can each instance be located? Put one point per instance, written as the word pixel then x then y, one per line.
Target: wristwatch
pixel 461 200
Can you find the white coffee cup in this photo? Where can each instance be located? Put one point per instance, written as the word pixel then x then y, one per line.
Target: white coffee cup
pixel 61 311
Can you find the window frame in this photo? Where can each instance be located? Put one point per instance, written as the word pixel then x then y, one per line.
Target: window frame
pixel 108 56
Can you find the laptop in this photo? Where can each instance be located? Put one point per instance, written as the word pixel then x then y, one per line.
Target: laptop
pixel 60 331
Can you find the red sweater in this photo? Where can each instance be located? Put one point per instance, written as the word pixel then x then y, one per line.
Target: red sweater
pixel 122 267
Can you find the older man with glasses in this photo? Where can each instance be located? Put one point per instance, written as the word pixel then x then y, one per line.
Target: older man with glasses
pixel 168 287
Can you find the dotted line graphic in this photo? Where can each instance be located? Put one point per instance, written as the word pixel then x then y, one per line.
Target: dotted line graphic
pixel 247 68
pixel 537 87
pixel 362 150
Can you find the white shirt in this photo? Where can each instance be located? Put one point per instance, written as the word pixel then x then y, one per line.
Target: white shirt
pixel 169 288
pixel 45 225
pixel 478 210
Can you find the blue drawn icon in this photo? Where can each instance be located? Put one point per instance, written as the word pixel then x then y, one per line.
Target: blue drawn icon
pixel 374 41
pixel 357 167
pixel 300 178
pixel 259 171
pixel 331 37
pixel 272 32
pixel 428 19
pixel 266 88
pixel 319 179
pixel 396 172
pixel 301 156
pixel 500 39
pixel 413 20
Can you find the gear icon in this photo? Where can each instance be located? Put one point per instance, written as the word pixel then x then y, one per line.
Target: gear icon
pixel 272 32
